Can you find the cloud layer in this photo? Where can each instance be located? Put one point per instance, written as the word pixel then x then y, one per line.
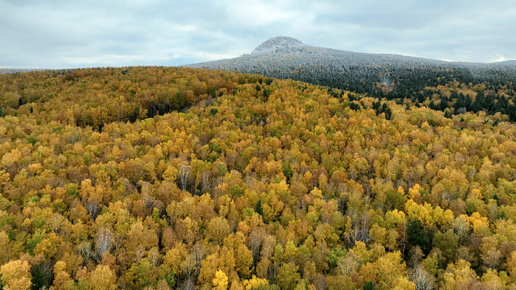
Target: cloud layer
pixel 64 34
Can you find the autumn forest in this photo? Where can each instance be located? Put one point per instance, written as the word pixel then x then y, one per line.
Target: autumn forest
pixel 181 178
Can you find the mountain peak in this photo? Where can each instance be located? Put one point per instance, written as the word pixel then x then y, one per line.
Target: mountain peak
pixel 279 44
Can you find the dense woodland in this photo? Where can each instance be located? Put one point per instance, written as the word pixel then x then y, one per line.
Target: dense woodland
pixel 453 87
pixel 456 88
pixel 158 178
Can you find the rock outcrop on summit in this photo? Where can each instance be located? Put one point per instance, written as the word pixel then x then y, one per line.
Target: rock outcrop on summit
pixel 280 44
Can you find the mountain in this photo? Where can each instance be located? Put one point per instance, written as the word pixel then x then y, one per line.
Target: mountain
pixel 291 53
pixel 286 57
pixel 281 47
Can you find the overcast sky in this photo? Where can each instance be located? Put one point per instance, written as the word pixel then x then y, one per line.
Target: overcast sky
pixel 93 33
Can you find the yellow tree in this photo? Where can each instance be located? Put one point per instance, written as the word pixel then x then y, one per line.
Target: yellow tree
pixel 220 282
pixel 218 229
pixel 243 256
pixel 389 268
pixel 4 244
pixel 459 276
pixel 16 275
pixel 103 278
pixel 255 283
pixel 222 260
pixel 288 276
pixel 61 278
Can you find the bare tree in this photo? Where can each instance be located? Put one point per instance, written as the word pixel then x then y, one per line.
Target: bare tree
pixel 189 267
pixel 422 279
pixel 104 241
pixel 187 285
pixel 93 209
pixel 461 227
pixel 206 184
pixel 255 242
pixel 184 173
pixel 198 252
pixel 361 225
pixel 348 264
pixel 56 221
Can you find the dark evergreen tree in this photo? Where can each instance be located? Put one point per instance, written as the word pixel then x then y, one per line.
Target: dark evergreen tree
pixel 417 236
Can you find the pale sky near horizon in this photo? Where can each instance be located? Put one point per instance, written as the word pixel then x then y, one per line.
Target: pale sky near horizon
pixel 93 33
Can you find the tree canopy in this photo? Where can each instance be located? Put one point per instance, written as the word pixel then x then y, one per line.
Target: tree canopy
pixel 172 177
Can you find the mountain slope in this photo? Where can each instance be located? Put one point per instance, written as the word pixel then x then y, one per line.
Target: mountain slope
pixel 285 57
pixel 445 86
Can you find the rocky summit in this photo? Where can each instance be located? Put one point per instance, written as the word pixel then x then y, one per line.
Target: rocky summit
pixel 279 44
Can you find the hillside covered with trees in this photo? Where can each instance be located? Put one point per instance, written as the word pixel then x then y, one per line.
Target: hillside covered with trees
pixel 158 178
pixel 409 80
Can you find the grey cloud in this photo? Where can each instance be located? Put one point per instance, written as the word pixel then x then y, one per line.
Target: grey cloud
pixel 58 33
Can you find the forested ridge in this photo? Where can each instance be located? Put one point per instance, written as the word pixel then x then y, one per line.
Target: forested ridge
pixel 159 177
pixel 409 80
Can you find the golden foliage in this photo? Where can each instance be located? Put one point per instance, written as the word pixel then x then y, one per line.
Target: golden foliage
pixel 172 177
